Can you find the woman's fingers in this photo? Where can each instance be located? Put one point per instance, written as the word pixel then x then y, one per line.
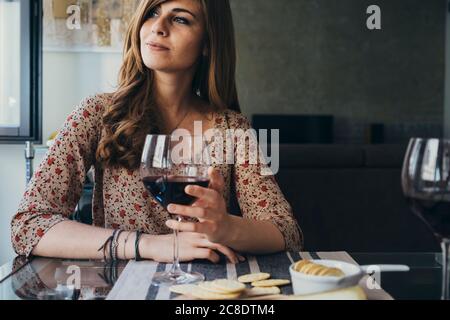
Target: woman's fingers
pixel 201 248
pixel 208 254
pixel 209 196
pixel 240 257
pixel 233 256
pixel 193 212
pixel 230 254
pixel 183 226
pixel 204 227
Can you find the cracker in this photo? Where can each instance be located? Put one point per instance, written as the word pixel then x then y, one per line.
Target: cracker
pixel 182 288
pixel 262 291
pixel 209 286
pixel 310 268
pixel 248 278
pixel 314 269
pixel 203 294
pixel 335 272
pixel 229 286
pixel 271 283
pixel 299 264
pixel 323 271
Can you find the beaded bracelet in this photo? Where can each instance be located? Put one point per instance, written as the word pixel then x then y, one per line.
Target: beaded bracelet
pixel 115 245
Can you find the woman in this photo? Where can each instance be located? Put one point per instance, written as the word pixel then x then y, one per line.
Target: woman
pixel 179 67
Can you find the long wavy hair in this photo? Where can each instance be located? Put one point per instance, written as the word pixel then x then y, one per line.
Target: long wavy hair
pixel 132 112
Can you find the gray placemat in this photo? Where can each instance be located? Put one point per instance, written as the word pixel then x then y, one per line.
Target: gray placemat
pixel 135 280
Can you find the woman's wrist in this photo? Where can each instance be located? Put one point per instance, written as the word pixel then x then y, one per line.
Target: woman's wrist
pixel 148 247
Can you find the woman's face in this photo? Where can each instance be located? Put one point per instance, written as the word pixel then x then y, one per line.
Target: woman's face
pixel 179 26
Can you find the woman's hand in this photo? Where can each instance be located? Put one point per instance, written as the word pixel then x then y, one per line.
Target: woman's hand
pixel 191 246
pixel 210 209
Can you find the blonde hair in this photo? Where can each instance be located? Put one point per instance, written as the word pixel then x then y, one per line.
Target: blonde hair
pixel 132 112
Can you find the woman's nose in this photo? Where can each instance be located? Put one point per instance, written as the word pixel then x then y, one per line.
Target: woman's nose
pixel 159 28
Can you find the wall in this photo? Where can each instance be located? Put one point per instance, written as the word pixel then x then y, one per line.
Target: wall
pixel 318 57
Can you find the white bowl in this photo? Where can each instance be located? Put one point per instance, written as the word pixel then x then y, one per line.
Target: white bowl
pixel 309 284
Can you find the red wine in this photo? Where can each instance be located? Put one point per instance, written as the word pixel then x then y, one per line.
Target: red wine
pixel 436 215
pixel 167 190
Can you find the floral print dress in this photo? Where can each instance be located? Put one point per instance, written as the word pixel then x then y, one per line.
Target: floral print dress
pixel 120 199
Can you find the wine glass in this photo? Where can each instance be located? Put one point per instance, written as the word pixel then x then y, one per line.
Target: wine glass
pixel 426 185
pixel 169 164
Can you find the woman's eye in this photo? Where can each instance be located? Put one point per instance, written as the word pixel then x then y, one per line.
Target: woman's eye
pixel 151 14
pixel 181 20
pixel 154 13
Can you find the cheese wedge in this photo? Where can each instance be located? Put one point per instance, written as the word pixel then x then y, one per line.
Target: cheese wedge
pixel 353 293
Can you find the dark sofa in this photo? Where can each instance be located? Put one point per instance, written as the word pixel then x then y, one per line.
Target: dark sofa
pixel 348 197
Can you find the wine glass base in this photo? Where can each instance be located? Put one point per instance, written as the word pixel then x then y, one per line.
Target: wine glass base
pixel 169 278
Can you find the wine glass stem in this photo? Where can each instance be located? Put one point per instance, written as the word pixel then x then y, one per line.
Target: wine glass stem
pixel 176 251
pixel 445 268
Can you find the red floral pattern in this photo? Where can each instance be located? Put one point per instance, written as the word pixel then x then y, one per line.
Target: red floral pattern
pixel 120 199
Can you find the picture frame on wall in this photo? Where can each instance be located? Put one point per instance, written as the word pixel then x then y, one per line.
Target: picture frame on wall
pixel 101 25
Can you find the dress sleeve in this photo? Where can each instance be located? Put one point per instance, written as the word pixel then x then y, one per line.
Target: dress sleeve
pixel 56 187
pixel 257 191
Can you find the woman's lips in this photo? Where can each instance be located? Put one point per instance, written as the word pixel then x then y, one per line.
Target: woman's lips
pixel 156 47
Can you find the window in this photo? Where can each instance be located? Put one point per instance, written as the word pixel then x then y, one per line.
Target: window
pixel 20 71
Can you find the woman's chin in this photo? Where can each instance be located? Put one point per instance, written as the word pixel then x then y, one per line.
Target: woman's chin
pixel 165 67
pixel 159 66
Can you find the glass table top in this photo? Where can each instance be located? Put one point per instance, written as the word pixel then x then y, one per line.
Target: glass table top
pixel 48 279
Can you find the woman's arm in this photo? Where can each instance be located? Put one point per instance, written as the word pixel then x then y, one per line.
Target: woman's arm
pixel 57 184
pixel 73 240
pixel 257 237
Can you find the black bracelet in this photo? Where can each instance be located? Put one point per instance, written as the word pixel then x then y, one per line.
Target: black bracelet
pixel 136 246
